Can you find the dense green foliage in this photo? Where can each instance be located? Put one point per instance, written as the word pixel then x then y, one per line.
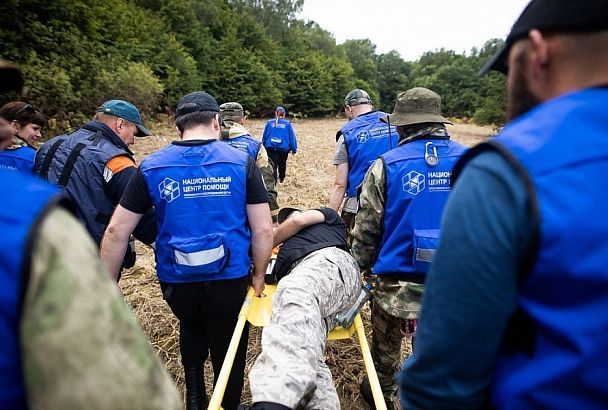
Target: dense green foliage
pixel 78 53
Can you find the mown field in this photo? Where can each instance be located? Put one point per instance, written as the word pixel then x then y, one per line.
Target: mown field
pixel 307 184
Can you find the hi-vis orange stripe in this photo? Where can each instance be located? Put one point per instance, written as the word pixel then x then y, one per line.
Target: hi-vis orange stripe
pixel 119 163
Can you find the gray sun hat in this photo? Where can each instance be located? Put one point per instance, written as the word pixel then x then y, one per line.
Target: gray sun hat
pixel 356 97
pixel 416 106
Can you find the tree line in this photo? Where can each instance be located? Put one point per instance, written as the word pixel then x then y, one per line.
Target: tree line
pixel 75 54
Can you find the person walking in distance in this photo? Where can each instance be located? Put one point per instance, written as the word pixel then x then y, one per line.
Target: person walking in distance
pixel 279 138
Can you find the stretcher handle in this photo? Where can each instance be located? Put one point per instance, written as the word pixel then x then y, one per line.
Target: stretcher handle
pixel 222 380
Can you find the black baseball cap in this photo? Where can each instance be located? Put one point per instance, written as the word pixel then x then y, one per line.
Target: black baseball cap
pixel 196 101
pixel 552 16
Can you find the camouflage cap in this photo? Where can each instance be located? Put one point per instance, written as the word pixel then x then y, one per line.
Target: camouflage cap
pixel 416 106
pixel 356 97
pixel 231 112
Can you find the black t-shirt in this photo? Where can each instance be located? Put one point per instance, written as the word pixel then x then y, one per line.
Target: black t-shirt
pixel 137 199
pixel 331 232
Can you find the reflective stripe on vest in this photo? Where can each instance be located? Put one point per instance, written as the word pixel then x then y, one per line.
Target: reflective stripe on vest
pixel 416 194
pixel 366 138
pixel 28 198
pixel 199 193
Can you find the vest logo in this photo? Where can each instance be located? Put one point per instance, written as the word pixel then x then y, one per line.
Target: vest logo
pixel 413 182
pixel 169 189
pixel 363 137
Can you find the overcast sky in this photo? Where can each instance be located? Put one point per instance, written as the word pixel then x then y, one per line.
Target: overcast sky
pixel 412 27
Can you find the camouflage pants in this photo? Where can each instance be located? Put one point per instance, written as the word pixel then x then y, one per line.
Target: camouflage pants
pixel 305 305
pixel 386 349
pixel 349 220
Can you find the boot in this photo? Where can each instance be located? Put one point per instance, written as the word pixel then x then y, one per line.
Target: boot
pixel 196 398
pixel 366 394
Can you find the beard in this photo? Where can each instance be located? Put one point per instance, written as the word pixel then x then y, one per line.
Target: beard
pixel 520 99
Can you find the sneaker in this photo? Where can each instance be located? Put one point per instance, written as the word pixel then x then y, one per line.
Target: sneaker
pixel 366 394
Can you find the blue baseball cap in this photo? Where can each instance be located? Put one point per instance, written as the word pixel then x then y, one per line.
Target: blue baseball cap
pixel 126 111
pixel 280 109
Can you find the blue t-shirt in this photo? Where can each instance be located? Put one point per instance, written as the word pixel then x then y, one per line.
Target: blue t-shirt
pixel 471 289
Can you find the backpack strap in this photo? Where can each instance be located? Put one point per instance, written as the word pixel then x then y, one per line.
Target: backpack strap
pixel 66 173
pixel 46 164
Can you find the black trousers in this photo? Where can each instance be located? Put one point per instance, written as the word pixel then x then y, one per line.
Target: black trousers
pixel 207 313
pixel 279 158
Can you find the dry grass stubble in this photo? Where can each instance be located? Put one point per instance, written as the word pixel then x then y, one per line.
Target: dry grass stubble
pixel 307 185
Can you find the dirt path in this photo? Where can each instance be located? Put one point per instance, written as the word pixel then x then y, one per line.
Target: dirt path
pixel 307 184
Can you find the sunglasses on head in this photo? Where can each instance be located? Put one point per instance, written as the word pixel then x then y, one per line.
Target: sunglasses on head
pixel 26 107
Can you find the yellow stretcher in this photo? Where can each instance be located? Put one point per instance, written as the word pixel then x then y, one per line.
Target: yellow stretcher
pixel 257 311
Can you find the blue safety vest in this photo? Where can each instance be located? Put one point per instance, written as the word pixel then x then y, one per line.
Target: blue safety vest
pixel 278 135
pixel 199 192
pixel 366 138
pixel 27 198
pixel 416 193
pixel 561 150
pixel 77 162
pixel 245 143
pixel 18 159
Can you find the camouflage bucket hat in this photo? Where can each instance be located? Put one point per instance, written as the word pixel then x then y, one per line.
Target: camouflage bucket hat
pixel 356 97
pixel 231 111
pixel 416 106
